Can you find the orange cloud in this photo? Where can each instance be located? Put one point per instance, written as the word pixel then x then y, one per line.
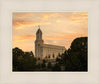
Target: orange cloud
pixel 22 15
pixel 26 20
pixel 66 36
pixel 80 13
pixel 79 17
pixel 19 24
pixel 23 38
pixel 60 39
pixel 57 37
pixel 58 21
pixel 48 15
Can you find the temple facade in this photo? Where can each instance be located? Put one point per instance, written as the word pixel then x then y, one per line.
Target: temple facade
pixel 46 51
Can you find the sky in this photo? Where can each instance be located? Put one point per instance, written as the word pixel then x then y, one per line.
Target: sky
pixel 59 28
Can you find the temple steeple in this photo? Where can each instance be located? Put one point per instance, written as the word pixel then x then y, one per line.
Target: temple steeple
pixel 39 34
pixel 38 43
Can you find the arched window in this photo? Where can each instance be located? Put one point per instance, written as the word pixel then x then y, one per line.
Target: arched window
pixel 53 55
pixel 45 56
pixel 49 56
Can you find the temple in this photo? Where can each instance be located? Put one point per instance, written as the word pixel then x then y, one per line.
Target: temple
pixel 46 51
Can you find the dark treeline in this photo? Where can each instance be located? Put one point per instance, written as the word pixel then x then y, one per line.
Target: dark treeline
pixel 23 61
pixel 73 59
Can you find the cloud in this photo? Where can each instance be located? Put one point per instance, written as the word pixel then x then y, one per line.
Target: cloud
pixel 79 17
pixel 58 21
pixel 46 16
pixel 19 24
pixel 22 15
pixel 23 38
pixel 65 36
pixel 58 28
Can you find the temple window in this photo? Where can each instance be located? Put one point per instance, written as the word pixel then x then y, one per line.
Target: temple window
pixel 49 56
pixel 53 56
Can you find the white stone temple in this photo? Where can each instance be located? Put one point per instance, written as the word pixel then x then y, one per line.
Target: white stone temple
pixel 46 51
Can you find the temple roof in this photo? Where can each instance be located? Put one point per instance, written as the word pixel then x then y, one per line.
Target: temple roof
pixel 53 46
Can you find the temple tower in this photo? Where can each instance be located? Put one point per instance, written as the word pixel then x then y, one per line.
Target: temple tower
pixel 38 43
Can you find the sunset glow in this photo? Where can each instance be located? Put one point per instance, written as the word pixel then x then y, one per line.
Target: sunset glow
pixel 57 28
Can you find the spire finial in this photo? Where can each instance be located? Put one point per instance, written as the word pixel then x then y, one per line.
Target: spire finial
pixel 39 26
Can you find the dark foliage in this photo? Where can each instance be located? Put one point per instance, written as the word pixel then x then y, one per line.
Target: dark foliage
pixel 23 61
pixel 56 67
pixel 73 59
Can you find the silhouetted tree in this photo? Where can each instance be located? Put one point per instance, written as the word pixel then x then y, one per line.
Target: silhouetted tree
pixel 17 54
pixel 75 58
pixel 23 61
